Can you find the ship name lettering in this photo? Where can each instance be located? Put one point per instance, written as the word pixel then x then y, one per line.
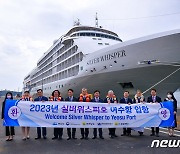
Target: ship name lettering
pixel 106 57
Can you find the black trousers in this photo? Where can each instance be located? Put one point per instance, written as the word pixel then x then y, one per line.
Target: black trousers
pixel 73 134
pixel 112 131
pixel 95 132
pixel 126 131
pixel 58 132
pixel 153 131
pixel 84 132
pixel 39 131
pixel 10 131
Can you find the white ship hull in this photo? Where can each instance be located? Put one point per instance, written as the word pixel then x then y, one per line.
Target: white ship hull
pixel 102 71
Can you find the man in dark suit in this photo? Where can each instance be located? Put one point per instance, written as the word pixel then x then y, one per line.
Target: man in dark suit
pixel 154 99
pixel 111 98
pixel 97 99
pixel 41 98
pixel 126 100
pixel 71 98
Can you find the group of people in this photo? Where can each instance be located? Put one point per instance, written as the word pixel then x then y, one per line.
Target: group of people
pixel 85 97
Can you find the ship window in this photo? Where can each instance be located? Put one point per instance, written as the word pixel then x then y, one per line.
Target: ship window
pixel 81 68
pixel 82 34
pixel 106 43
pixel 110 37
pixel 102 35
pixel 100 43
pixel 92 34
pixel 97 35
pixel 94 38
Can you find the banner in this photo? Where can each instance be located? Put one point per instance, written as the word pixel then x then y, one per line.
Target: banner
pixel 87 114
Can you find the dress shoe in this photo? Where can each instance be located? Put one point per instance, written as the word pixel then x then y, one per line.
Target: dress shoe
pixel 68 138
pixel 94 137
pixel 37 138
pixel 24 138
pixel 74 138
pixel 101 137
pixel 44 137
pixel 140 133
pixel 60 138
pixel 54 138
pixel 129 134
pixel 152 134
pixel 111 137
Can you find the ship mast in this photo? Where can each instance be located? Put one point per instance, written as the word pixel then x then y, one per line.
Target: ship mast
pixel 96 20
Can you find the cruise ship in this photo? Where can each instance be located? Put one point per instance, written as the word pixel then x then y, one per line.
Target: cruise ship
pixel 95 58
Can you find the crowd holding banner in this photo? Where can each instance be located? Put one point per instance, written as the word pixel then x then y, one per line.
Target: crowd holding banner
pixel 72 113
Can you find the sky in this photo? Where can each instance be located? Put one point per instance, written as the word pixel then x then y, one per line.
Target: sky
pixel 29 27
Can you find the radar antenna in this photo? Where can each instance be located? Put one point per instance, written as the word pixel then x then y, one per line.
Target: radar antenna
pixel 77 22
